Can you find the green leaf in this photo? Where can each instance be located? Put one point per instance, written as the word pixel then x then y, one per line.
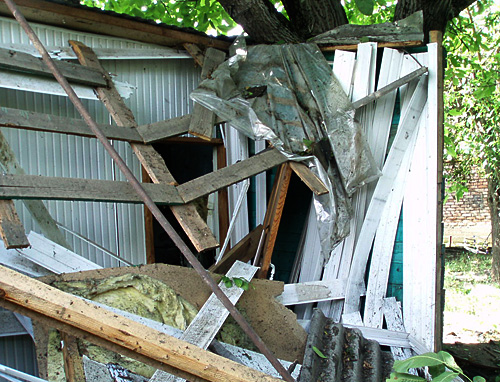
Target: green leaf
pixel 365 6
pixel 447 376
pixel 318 352
pixel 238 282
pixel 435 371
pixel 449 361
pixel 481 379
pixel 423 360
pixel 227 281
pixel 404 377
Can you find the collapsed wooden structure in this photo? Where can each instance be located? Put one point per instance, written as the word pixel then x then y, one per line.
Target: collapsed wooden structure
pixel 336 287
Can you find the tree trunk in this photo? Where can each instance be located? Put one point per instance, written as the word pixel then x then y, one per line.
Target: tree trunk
pixel 260 20
pixel 437 13
pixel 312 17
pixel 494 204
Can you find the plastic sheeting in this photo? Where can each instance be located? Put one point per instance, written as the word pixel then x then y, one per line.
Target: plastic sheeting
pixel 288 95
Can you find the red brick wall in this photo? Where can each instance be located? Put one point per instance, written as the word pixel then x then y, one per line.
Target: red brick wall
pixel 472 208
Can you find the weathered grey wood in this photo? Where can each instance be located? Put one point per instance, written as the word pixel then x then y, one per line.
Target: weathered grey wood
pixel 409 29
pixel 188 217
pixel 29 120
pixel 36 208
pixel 195 52
pixel 22 62
pixel 227 176
pixel 11 229
pixel 55 188
pixel 168 128
pixel 203 120
pixel 211 316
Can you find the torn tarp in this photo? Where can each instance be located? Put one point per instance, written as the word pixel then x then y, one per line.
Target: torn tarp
pixel 288 95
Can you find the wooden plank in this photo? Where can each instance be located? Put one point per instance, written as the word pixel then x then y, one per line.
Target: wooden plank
pixel 188 217
pixel 29 120
pixel 273 216
pixel 36 208
pixel 22 62
pixel 227 176
pixel 68 312
pixel 354 47
pixel 55 257
pixel 97 22
pixel 73 365
pixel 313 291
pixel 394 320
pixel 244 251
pixel 158 131
pixel 55 188
pixel 11 229
pixel 407 129
pixel 202 330
pixel 195 52
pixel 310 179
pixel 203 120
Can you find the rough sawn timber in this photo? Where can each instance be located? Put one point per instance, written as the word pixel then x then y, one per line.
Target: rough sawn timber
pixel 188 217
pixel 11 228
pixel 29 120
pixel 56 188
pixel 227 176
pixel 41 301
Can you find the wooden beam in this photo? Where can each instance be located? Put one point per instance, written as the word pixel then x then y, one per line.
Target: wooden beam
pixel 188 217
pixel 227 176
pixel 11 229
pixel 273 216
pixel 55 188
pixel 63 310
pixel 29 120
pixel 202 330
pixel 195 52
pixel 26 63
pixel 244 251
pixel 310 179
pixel 95 21
pixel 161 130
pixel 73 365
pixel 36 208
pixel 203 120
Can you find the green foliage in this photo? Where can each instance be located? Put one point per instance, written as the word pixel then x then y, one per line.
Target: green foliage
pixel 240 282
pixel 472 97
pixel 441 366
pixel 381 11
pixel 203 15
pixel 318 352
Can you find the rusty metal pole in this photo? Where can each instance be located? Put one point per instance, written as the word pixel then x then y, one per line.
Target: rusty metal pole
pixel 247 328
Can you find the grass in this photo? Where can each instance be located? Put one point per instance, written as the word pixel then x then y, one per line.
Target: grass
pixel 472 304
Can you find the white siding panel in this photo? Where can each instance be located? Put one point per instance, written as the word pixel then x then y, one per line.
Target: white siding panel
pixel 162 91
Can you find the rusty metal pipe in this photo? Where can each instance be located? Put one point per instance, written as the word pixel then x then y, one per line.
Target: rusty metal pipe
pixel 247 328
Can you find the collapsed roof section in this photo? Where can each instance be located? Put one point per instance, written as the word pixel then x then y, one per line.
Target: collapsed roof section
pixel 376 207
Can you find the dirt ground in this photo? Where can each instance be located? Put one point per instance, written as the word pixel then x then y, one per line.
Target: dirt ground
pixel 472 314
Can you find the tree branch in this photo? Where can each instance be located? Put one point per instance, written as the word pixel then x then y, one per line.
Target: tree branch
pixel 261 20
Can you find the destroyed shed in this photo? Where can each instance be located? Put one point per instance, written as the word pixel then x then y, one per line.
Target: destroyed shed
pixel 314 165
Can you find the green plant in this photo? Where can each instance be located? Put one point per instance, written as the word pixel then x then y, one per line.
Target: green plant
pixel 441 366
pixel 240 282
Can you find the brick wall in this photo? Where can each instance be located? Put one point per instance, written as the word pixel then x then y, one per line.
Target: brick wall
pixel 472 208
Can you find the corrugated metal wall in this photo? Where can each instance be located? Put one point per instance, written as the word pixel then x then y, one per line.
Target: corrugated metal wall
pixel 18 352
pixel 163 88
